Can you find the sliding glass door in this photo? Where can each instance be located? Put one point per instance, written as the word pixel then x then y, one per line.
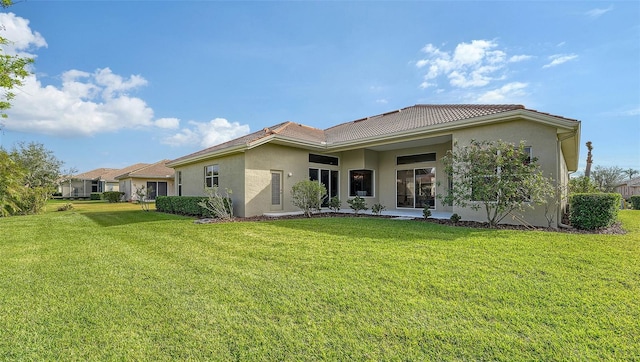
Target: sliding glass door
pixel 416 188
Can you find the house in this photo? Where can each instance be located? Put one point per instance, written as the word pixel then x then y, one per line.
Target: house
pixel 393 158
pixel 629 187
pixel 95 181
pixel 157 179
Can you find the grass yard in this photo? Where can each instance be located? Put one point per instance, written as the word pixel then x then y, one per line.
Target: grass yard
pixel 111 282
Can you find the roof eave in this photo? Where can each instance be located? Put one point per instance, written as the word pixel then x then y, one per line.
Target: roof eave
pixel 218 153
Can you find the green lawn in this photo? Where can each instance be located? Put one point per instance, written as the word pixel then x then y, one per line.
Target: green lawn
pixel 109 281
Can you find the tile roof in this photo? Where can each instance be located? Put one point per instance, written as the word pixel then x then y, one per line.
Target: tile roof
pixel 400 121
pixel 410 118
pixel 156 170
pixel 94 174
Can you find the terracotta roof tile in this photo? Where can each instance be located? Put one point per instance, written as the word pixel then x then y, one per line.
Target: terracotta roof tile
pixel 156 170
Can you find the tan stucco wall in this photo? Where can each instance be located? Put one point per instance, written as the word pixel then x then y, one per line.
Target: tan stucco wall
pixel 231 176
pixel 261 161
pixel 541 138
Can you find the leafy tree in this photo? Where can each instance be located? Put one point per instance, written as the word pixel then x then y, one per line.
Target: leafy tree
pixel 13 69
pixel 307 195
pixel 631 172
pixel 43 168
pixel 607 178
pixel 143 194
pixel 582 185
pixel 498 177
pixel 11 187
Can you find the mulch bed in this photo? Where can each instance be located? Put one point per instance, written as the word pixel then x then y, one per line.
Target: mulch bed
pixel 614 229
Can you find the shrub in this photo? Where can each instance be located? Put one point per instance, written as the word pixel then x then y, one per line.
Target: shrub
pixel 357 204
pixel 635 202
pixel 113 196
pixel 335 204
pixel 220 206
pixel 426 212
pixel 182 205
pixel 377 208
pixel 65 207
pixel 455 218
pixel 95 196
pixel 32 200
pixel 307 195
pixel 593 211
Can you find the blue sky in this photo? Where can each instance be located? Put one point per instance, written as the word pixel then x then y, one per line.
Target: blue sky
pixel 120 82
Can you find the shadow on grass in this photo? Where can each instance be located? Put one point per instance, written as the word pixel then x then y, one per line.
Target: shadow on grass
pixel 117 218
pixel 386 229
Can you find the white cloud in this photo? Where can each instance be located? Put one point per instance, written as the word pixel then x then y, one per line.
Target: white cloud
pixel 207 134
pixel 22 40
pixel 519 58
pixel 597 12
pixel 558 59
pixel 382 101
pixel 84 104
pixel 474 64
pixel 168 123
pixel 507 93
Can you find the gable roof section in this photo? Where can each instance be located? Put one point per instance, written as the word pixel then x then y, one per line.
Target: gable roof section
pixel 156 170
pixel 96 174
pixel 632 182
pixel 407 121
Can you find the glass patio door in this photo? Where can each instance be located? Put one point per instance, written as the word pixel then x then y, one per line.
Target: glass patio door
pixel 416 188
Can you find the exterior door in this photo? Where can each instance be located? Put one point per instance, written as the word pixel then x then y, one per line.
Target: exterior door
pixel 276 190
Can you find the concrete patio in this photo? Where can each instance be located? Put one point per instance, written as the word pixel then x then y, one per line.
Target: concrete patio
pixel 397 214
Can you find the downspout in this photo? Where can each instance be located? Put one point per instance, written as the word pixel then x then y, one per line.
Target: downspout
pixel 558 152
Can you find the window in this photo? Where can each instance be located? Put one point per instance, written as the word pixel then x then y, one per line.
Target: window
pixel 179 183
pixel 485 194
pixel 211 175
pixel 328 178
pixel 361 183
pixel 424 157
pixel 325 160
pixel 155 189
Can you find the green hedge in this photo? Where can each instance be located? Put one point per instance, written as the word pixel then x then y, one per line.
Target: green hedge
pixel 113 196
pixel 182 205
pixel 594 211
pixel 635 202
pixel 95 196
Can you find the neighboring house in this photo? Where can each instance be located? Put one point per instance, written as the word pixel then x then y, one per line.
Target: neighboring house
pixel 95 181
pixel 629 187
pixel 393 158
pixel 157 178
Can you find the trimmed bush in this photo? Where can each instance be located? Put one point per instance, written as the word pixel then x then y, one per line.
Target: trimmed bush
pixel 182 205
pixel 357 204
pixel 95 196
pixel 635 202
pixel 113 196
pixel 593 211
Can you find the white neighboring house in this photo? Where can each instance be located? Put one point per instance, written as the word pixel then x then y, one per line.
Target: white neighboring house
pixel 98 180
pixel 157 178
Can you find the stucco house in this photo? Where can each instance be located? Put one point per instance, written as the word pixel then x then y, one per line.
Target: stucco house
pixel 392 158
pixel 629 187
pixel 156 177
pixel 98 180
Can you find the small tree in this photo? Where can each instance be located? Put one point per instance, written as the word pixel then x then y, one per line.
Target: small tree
pixel 335 204
pixel 496 176
pixel 377 209
pixel 221 206
pixel 357 204
pixel 582 185
pixel 307 195
pixel 143 194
